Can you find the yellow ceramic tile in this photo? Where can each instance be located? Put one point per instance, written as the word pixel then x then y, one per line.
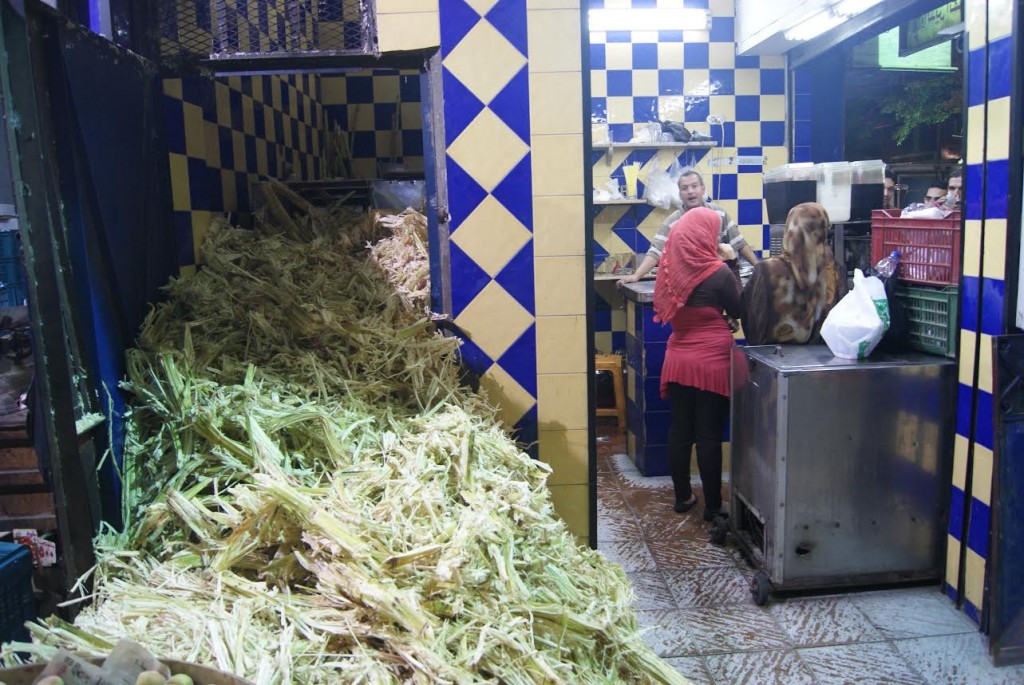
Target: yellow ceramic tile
pixel 200 225
pixel 603 342
pixel 1000 19
pixel 572 504
pixel 360 118
pixel 670 55
pixel 671 108
pixel 229 192
pixel 986 374
pixel 488 149
pixel 722 8
pixel 559 226
pixel 754 235
pixel 567 453
pixel 725 105
pixel 975 20
pixel 235 82
pixel 995 249
pixel 598 134
pixel 618 4
pixel 364 168
pixel 275 92
pixel 952 561
pixel 553 37
pixel 411 115
pixel 257 89
pixel 562 401
pixel 484 61
pixel 187 271
pixel 960 449
pixel 557 164
pixel 966 345
pixel 385 144
pixel 411 31
pixel 248 116
pixel 287 128
pixel 630 381
pixel 748 81
pixel 293 105
pixel 981 485
pixel 195 135
pixel 181 199
pixel 385 88
pixel 211 144
pixel 618 320
pixel 722 55
pixel 556 103
pixel 598 37
pixel 630 317
pixel 972 248
pixel 598 84
pixel 773 62
pixel 261 157
pixel 645 83
pixel 268 125
pixel 494 320
pixel 748 133
pixel 775 155
pixel 773 108
pixel 730 206
pixel 552 4
pixel 172 88
pixel 997 141
pixel 405 6
pixel 560 286
pixel 505 393
pixel 619 56
pixel 697 81
pixel 749 186
pixel 482 7
pixel 974 577
pixel 491 236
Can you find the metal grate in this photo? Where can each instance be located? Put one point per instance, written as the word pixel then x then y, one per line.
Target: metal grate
pixel 258 29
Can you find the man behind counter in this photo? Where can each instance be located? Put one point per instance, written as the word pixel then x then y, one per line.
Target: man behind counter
pixel 692 193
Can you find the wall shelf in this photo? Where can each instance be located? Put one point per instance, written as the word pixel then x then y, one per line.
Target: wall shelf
pixel 627 201
pixel 702 145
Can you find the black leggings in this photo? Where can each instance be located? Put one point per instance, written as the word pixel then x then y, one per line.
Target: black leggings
pixel 698 416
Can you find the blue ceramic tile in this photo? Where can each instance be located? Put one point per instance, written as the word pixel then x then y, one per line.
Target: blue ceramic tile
pixel 600 254
pixel 723 29
pixel 642 244
pixel 364 144
pixel 654 357
pixel 412 142
pixel 970 300
pixel 509 17
pixel 259 121
pixel 628 236
pixel 517 278
pixel 984 421
pixel 653 461
pixel 964 409
pixel 974 187
pixel 802 107
pixel 697 108
pixel 803 81
pixel 515 192
pixel 976 68
pixel 723 82
pixel 618 37
pixel 773 81
pixel 456 18
pixel 383 115
pixel 748 108
pixel 748 62
pixel 620 83
pixel 1000 62
pixel 475 358
pixel 773 133
pixel 635 421
pixel 461 106
pixel 512 105
pixel 992 306
pixel 599 113
pixel 526 433
pixel 652 396
pixel 696 4
pixel 653 331
pixel 645 55
pixel 972 611
pixel 956 512
pixel 618 340
pixel 658 424
pixel 628 219
pixel 359 89
pixel 464 194
pixel 235 105
pixel 645 109
pixel 183 238
pixel 670 81
pixel 749 212
pixel 520 360
pixel 695 56
pixel 997 187
pixel 468 279
pixel 634 350
pixel 204 188
pixel 174 121
pixel 620 132
pixel 977 533
pixel 729 134
pixel 409 88
pixel 802 134
pixel 598 59
pixel 643 4
pixel 670 36
pixel 726 187
pixel 250 153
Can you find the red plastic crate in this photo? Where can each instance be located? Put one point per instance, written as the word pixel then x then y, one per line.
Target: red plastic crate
pixel 929 248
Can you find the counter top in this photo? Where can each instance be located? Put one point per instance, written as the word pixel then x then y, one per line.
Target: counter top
pixel 798 358
pixel 641 291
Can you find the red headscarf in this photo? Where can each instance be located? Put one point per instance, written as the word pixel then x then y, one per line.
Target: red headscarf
pixel 689 257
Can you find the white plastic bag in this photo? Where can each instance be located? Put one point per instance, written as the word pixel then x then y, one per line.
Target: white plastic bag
pixel 660 189
pixel 858 321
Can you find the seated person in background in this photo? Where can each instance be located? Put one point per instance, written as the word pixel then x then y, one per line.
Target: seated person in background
pixel 933 206
pixel 935 196
pixel 692 192
pixel 788 297
pixel 889 194
pixel 954 189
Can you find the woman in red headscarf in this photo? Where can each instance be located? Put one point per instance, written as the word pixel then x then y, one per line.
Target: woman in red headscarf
pixel 692 290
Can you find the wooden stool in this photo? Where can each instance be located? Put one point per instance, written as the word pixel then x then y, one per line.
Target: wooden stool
pixel 613 364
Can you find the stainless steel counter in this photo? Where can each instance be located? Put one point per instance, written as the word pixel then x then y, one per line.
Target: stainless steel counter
pixel 641 291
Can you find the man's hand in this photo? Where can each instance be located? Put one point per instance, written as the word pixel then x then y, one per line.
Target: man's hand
pixel 726 252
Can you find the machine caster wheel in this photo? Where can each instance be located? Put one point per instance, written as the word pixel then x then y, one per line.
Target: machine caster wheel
pixel 719 529
pixel 760 588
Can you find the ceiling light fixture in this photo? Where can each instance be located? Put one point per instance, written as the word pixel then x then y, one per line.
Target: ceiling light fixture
pixel 814 26
pixel 849 8
pixel 652 19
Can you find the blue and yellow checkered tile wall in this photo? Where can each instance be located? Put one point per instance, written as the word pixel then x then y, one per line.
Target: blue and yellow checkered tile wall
pixel 641 77
pixel 989 34
pixel 380 110
pixel 224 134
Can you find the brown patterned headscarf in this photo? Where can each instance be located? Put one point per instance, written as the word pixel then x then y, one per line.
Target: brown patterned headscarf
pixel 788 297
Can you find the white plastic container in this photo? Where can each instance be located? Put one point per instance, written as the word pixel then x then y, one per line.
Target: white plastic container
pixel 835 181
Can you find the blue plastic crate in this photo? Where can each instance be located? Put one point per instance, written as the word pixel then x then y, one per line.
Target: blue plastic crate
pixel 17 603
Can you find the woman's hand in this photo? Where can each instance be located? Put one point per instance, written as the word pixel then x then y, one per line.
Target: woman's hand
pixel 726 252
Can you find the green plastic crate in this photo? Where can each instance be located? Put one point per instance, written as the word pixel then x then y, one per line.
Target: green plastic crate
pixel 931 318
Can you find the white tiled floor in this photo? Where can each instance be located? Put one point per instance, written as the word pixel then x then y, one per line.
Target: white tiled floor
pixel 693 598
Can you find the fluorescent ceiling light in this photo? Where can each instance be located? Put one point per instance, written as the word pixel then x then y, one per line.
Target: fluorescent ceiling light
pixel 849 8
pixel 652 19
pixel 815 26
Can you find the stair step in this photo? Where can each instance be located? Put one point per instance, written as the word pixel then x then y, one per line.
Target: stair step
pixel 18 458
pixel 26 504
pixel 19 478
pixel 40 522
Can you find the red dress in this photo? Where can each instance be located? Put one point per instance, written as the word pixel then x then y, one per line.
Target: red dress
pixel 699 351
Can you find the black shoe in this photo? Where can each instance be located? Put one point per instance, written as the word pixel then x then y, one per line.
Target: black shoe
pixel 681 507
pixel 712 514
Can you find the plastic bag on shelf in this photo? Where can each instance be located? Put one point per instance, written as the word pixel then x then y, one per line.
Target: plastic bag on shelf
pixel 857 323
pixel 660 190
